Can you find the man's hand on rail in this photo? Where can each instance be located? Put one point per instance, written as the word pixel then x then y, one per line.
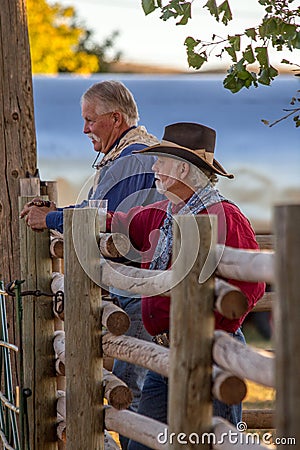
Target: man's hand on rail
pixel 35 213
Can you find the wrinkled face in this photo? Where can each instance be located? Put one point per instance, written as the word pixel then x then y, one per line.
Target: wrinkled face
pixel 167 174
pixel 100 128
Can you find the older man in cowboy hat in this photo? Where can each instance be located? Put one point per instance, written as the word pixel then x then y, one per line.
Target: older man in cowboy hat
pixel 185 171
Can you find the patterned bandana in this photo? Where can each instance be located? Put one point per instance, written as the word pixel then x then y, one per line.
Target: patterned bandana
pixel 137 135
pixel 200 200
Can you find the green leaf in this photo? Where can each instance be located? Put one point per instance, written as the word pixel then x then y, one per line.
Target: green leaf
pixel 269 27
pixel 148 6
pixel 251 33
pixel 225 9
pixel 191 43
pixel 213 9
pixel 231 53
pixel 249 55
pixel 288 31
pixel 235 42
pixel 187 14
pixel 273 72
pixel 244 75
pixel 266 75
pixel 196 60
pixel 262 56
pixel 232 83
pixel 297 121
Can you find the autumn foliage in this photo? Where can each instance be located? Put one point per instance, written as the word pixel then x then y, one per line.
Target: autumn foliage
pixel 60 43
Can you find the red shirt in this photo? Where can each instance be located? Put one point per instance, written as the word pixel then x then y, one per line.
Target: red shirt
pixel 142 225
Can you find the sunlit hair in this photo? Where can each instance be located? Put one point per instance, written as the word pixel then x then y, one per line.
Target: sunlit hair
pixel 199 177
pixel 110 96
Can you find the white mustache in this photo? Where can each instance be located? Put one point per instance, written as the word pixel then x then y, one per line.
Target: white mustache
pixel 94 137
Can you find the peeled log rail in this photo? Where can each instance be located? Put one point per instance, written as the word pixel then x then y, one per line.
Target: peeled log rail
pixel 259 418
pixel 245 265
pixel 57 283
pixel 242 360
pixel 116 391
pixel 136 351
pixel 226 437
pixel 156 434
pixel 114 245
pixel 239 359
pixel 60 368
pixel 111 245
pixel 136 281
pixel 61 415
pixel 114 318
pixel 231 302
pixel 228 388
pixel 108 363
pixel 266 303
pixel 59 345
pixel 57 247
pixel 136 427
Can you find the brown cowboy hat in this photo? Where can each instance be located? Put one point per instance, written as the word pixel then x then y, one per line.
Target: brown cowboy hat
pixel 191 142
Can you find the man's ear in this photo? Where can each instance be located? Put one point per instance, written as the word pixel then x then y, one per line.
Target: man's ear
pixel 184 170
pixel 118 118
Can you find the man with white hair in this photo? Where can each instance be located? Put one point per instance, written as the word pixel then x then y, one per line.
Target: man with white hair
pixel 125 179
pixel 185 171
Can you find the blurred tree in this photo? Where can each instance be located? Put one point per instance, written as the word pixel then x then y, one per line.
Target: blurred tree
pixel 59 43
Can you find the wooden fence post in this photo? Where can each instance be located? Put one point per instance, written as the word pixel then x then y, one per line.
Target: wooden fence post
pixel 192 328
pixel 84 409
pixel 287 324
pixel 38 329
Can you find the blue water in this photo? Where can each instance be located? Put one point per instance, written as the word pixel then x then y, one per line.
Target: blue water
pixel 266 161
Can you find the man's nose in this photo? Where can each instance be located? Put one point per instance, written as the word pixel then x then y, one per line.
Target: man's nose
pixel 86 128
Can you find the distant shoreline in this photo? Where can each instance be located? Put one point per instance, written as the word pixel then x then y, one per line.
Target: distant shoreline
pixel 131 68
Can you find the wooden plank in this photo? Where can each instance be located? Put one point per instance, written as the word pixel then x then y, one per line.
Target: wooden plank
pixel 266 241
pixel 266 303
pixel 38 328
pixel 259 418
pixel 17 137
pixel 287 322
pixel 82 332
pixel 192 328
pixel 29 187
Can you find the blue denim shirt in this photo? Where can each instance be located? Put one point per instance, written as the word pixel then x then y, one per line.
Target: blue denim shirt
pixel 125 182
